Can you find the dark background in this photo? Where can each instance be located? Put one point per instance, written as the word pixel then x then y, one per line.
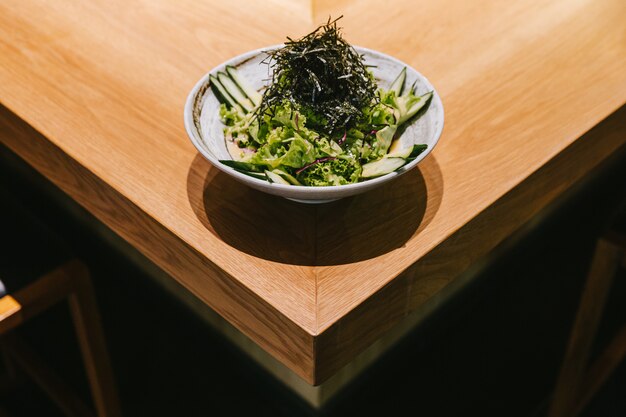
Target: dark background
pixel 495 349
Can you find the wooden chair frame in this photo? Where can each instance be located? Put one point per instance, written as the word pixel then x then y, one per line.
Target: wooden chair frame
pixel 70 281
pixel 578 382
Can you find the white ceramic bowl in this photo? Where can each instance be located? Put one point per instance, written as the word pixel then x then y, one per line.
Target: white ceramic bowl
pixel 206 130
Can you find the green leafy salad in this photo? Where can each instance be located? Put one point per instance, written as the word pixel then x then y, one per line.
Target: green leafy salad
pixel 322 120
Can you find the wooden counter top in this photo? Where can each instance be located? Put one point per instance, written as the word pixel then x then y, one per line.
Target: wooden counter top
pixel 93 95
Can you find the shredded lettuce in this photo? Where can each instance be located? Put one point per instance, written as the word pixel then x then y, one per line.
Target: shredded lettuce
pixel 286 140
pixel 338 171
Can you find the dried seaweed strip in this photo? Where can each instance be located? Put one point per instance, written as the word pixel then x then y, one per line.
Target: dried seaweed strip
pixel 321 75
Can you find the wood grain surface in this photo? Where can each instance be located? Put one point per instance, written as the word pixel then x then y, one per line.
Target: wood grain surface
pixel 93 94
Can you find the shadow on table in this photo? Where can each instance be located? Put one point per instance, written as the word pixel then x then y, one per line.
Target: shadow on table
pixel 345 231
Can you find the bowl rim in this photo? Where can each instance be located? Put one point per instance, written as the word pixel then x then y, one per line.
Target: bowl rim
pixel 196 139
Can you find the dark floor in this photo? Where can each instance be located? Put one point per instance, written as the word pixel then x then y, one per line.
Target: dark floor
pixel 495 350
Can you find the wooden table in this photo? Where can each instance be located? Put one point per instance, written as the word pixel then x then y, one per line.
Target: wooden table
pixel 92 94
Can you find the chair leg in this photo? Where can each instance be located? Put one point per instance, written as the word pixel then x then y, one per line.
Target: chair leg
pixel 601 370
pixel 9 366
pixel 45 377
pixel 603 268
pixel 86 319
pixel 8 378
pixel 71 281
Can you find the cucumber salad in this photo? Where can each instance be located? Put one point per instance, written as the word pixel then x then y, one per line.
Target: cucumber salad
pixel 322 120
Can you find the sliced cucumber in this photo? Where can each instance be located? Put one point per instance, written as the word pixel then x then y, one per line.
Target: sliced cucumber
pixel 235 92
pixel 256 175
pixel 415 108
pixel 392 161
pixel 417 150
pixel 418 106
pixel 384 137
pixel 290 178
pixel 275 178
pixel 398 84
pixel 407 153
pixel 242 166
pixel 251 93
pixel 222 94
pixel 381 167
